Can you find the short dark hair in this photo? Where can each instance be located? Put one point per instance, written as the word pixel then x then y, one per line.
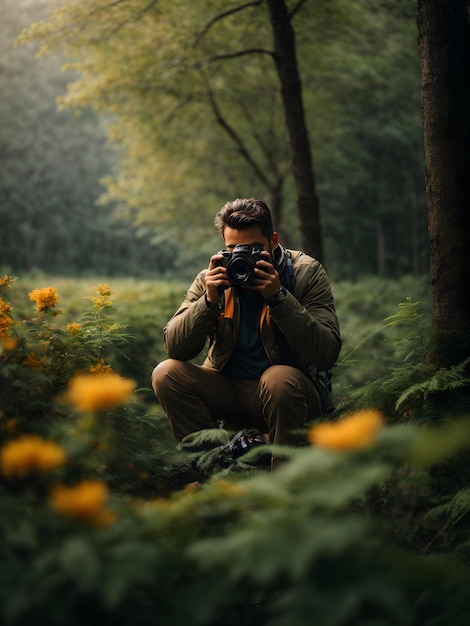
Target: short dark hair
pixel 243 213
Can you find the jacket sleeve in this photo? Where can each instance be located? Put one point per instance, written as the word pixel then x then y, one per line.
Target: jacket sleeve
pixel 186 333
pixel 308 319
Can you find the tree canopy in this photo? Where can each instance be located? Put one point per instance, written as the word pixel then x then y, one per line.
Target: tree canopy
pixel 189 91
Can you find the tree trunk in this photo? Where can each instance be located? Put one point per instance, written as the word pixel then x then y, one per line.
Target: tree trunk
pixel 380 238
pixel 301 157
pixel 444 45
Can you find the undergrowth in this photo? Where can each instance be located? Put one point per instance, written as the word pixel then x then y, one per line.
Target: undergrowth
pixel 106 521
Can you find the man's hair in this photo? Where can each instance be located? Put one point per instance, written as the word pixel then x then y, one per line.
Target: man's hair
pixel 243 213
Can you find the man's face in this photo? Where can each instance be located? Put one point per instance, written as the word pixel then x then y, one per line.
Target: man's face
pixel 251 236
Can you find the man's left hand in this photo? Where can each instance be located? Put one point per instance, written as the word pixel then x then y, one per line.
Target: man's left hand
pixel 266 278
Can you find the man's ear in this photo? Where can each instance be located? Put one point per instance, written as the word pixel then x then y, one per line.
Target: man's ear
pixel 274 240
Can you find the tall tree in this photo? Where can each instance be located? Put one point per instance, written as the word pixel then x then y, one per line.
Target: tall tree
pixel 444 42
pixel 285 57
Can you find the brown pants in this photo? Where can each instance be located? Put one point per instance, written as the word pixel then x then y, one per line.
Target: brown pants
pixel 196 397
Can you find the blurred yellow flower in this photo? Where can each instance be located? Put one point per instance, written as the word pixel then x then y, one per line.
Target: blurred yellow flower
pixel 45 298
pixel 103 290
pixel 5 281
pixel 5 318
pixel 95 392
pixel 353 432
pixel 8 343
pixel 102 300
pixel 84 502
pixel 74 328
pixel 28 454
pixel 100 368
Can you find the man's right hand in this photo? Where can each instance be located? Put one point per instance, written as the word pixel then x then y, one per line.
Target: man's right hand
pixel 216 279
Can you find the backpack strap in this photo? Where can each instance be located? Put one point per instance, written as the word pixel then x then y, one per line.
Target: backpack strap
pixel 322 379
pixel 289 277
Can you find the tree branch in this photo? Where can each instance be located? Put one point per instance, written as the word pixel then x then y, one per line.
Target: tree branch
pixel 234 136
pixel 241 53
pixel 297 8
pixel 223 15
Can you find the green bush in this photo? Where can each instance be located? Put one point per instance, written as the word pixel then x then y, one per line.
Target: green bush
pixel 105 521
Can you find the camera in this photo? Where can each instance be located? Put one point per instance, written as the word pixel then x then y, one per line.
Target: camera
pixel 239 445
pixel 240 263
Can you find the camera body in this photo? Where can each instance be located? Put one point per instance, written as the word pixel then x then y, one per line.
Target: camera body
pixel 239 445
pixel 241 263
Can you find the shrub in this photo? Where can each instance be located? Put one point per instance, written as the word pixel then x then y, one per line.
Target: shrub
pixel 104 521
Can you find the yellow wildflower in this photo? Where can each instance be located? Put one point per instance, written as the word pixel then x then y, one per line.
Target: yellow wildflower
pixel 353 432
pixel 84 502
pixel 5 318
pixel 30 453
pixel 9 343
pixel 90 392
pixel 74 328
pixel 100 368
pixel 5 281
pixel 103 290
pixel 102 300
pixel 45 298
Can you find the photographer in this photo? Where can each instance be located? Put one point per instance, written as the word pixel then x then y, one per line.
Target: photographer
pixel 270 319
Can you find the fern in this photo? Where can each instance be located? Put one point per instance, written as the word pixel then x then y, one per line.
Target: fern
pixel 442 379
pixel 410 346
pixel 459 506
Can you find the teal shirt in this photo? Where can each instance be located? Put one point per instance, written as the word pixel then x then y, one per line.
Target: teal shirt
pixel 248 360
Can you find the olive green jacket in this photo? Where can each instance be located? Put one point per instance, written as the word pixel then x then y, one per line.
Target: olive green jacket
pixel 307 319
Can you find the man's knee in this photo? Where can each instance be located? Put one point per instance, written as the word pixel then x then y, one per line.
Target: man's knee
pixel 286 388
pixel 162 372
pixel 281 380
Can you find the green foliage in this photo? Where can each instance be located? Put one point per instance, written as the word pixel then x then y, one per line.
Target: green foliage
pixel 198 119
pixel 372 534
pixel 412 385
pixel 50 166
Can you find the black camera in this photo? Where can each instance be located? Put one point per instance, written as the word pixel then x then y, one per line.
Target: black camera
pixel 241 263
pixel 239 445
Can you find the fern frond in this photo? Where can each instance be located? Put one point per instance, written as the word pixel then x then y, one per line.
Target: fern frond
pixel 459 505
pixel 205 439
pixel 443 379
pixel 407 314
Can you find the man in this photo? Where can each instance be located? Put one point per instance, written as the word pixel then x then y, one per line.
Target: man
pixel 265 343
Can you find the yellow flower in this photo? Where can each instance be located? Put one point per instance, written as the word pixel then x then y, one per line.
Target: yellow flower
pixel 5 318
pixel 103 290
pixel 350 433
pixel 100 368
pixel 5 281
pixel 45 298
pixel 84 502
pixel 102 300
pixel 90 392
pixel 30 453
pixel 74 328
pixel 8 343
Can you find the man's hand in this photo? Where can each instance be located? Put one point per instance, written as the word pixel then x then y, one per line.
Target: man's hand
pixel 266 278
pixel 216 279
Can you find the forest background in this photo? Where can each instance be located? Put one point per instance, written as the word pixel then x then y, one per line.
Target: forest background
pixel 181 145
pixel 104 520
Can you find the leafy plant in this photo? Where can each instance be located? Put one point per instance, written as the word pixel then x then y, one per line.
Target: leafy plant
pixel 105 521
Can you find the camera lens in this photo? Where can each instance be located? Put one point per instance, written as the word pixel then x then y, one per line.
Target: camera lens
pixel 240 271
